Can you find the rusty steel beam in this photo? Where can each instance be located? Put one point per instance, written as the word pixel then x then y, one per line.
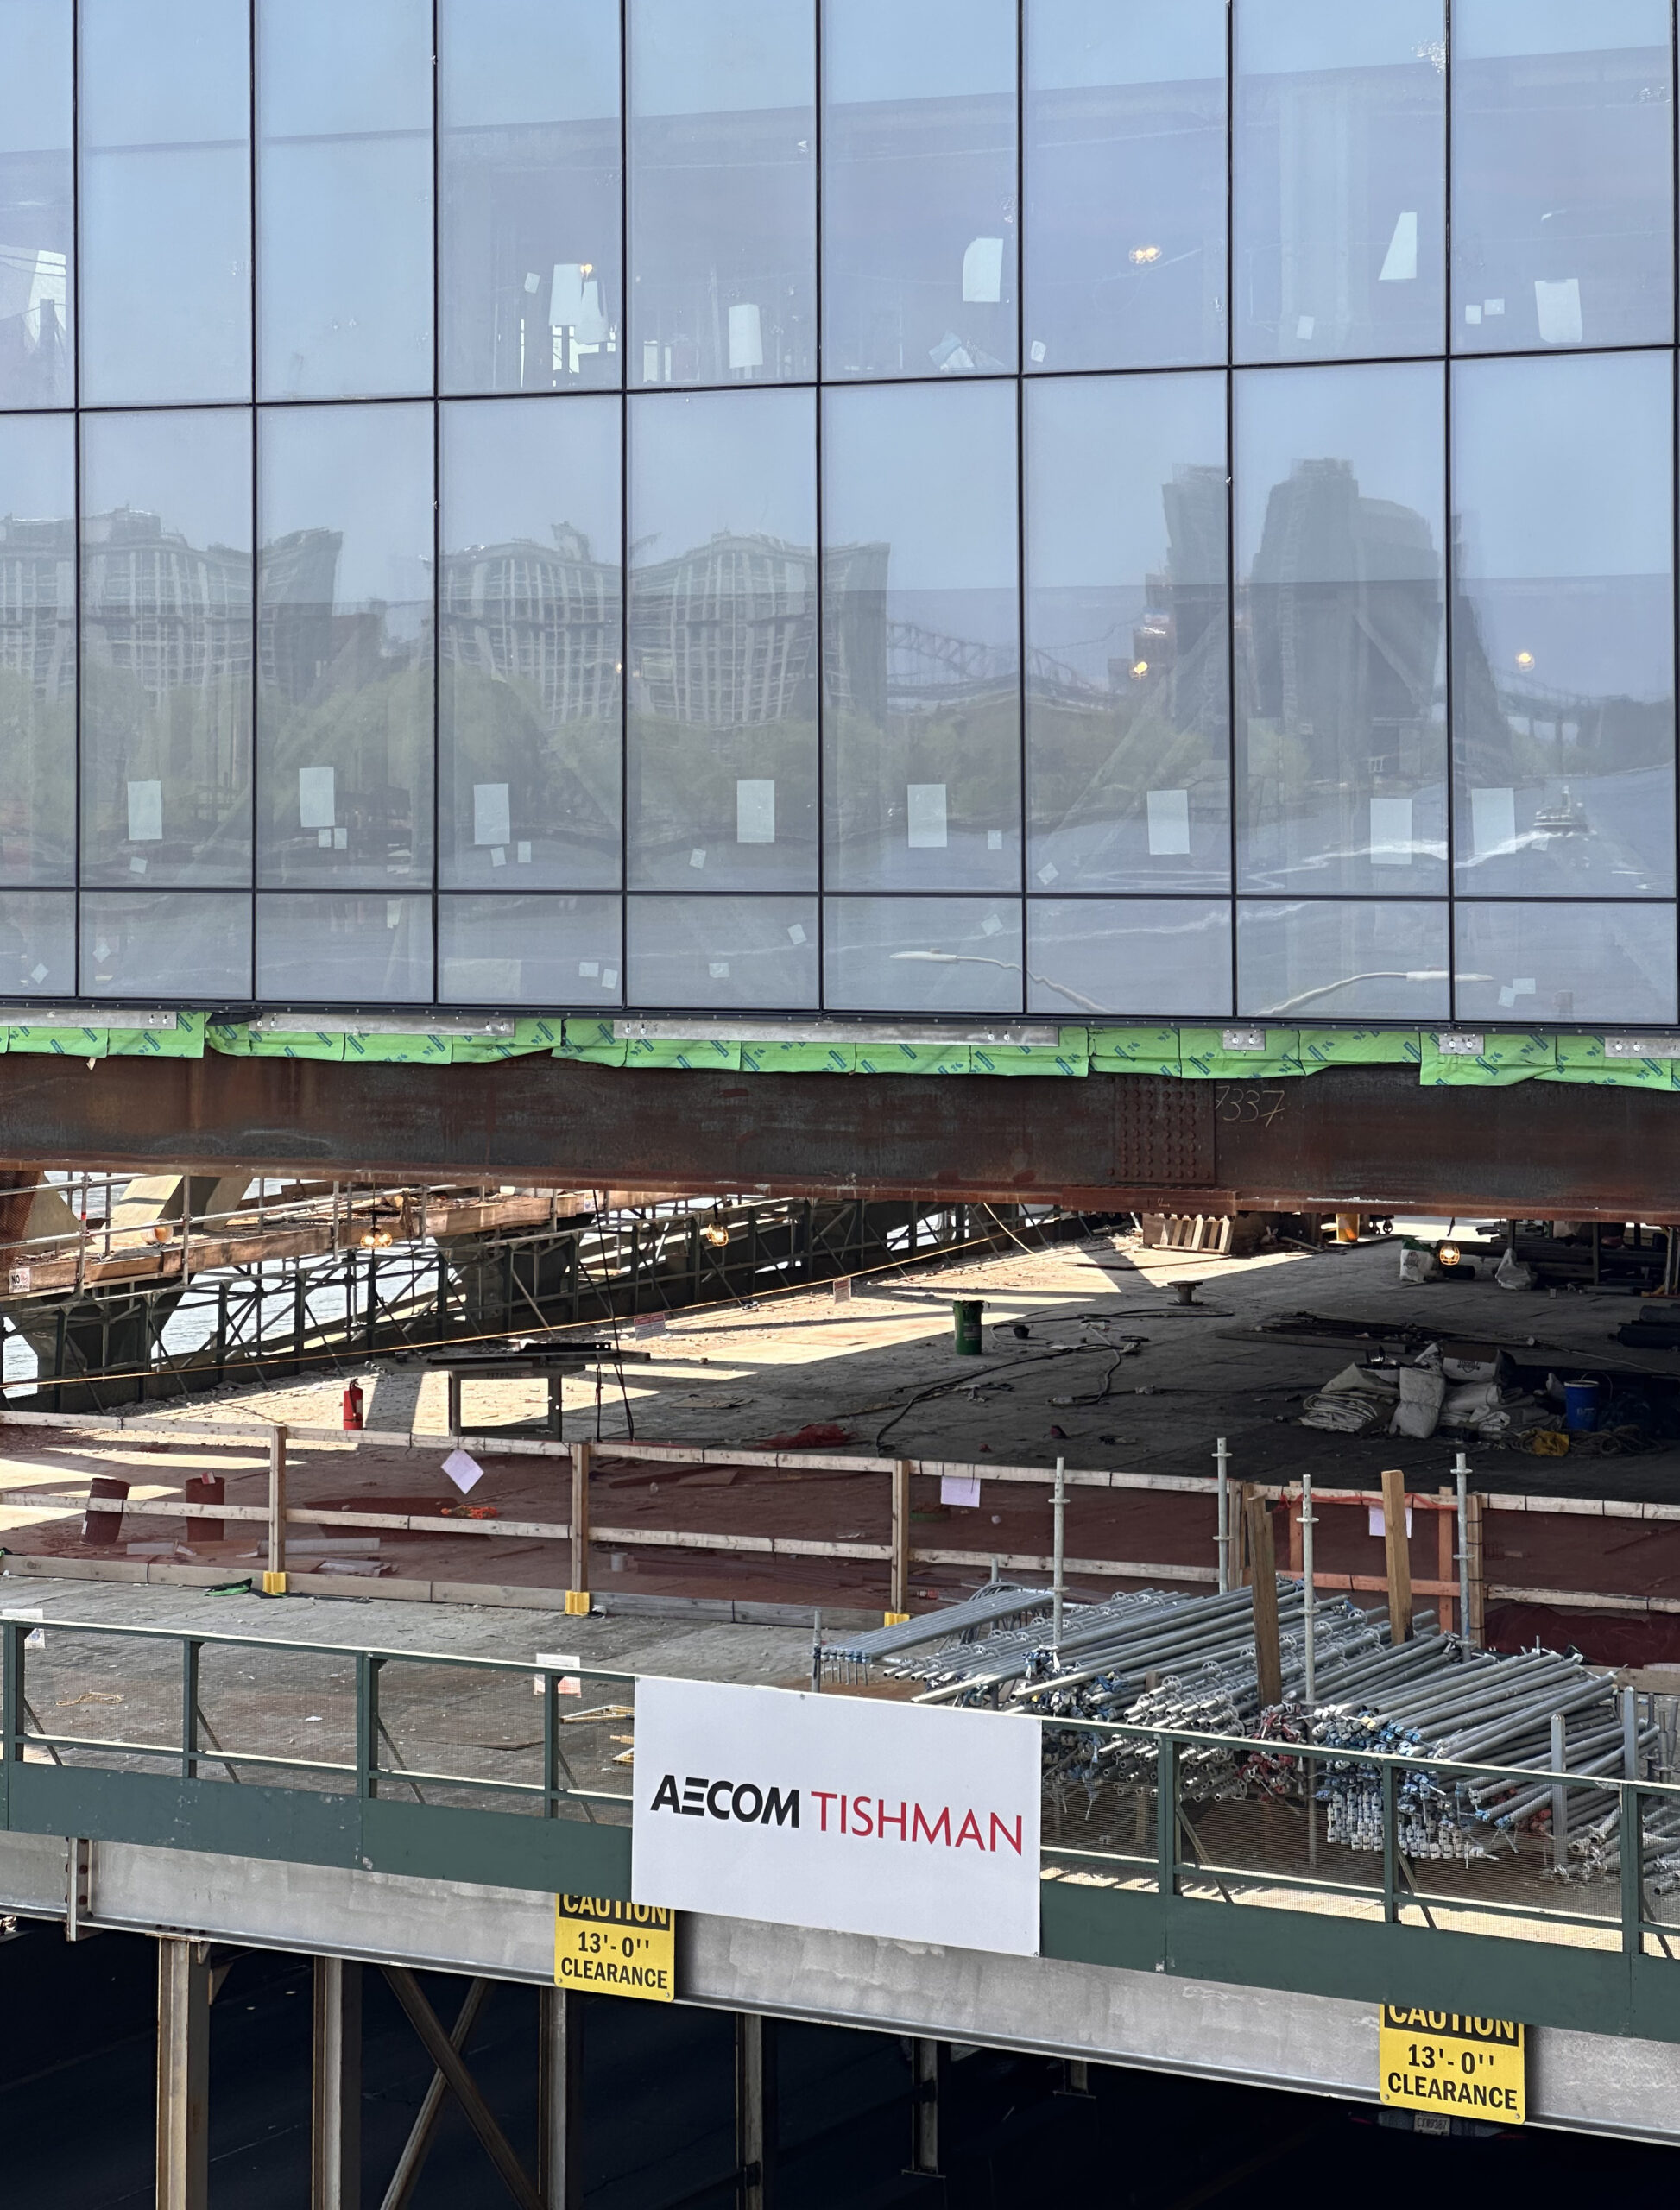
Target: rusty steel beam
pixel 1367 1138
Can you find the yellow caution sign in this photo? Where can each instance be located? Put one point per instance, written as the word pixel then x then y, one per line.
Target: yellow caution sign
pixel 1452 2067
pixel 602 1947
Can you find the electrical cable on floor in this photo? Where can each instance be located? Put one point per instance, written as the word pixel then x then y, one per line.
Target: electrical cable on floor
pixel 967 1381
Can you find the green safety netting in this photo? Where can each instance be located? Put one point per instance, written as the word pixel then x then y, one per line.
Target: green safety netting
pixel 1239 1052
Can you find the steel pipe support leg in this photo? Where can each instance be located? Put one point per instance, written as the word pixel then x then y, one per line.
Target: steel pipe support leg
pixel 183 2075
pixel 928 2061
pixel 755 2109
pixel 560 2100
pixel 335 2136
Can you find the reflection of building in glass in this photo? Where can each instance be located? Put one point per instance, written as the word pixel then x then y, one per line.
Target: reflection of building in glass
pixel 1344 623
pixel 38 603
pixel 173 615
pixel 546 615
pixel 726 635
pixel 299 636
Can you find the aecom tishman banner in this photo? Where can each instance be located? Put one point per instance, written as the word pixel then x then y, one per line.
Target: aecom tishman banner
pixel 837 1811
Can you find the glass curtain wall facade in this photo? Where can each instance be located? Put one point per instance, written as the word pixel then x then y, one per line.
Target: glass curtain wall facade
pixel 971 507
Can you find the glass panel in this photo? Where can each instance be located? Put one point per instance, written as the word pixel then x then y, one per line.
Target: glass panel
pixel 1124 116
pixel 722 191
pixel 165 120
pixel 918 186
pixel 721 761
pixel 1339 156
pixel 1563 626
pixel 528 179
pixel 921 639
pixel 36 203
pixel 1340 755
pixel 1128 622
pixel 530 710
pixel 1381 960
pixel 1562 184
pixel 542 951
pixel 922 954
pixel 337 951
pixel 146 944
pixel 345 708
pixel 344 198
pixel 1164 958
pixel 37 944
pixel 166 647
pixel 1517 962
pixel 37 649
pixel 715 953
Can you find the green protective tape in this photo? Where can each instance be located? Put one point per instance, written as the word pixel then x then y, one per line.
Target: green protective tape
pixel 592 1041
pixel 1359 1047
pixel 527 1036
pixel 798 1058
pixel 185 1040
pixel 1133 1051
pixel 914 1059
pixel 714 1055
pixel 1502 1060
pixel 1580 1059
pixel 1203 1056
pixel 63 1043
pixel 1071 1056
pixel 398 1050
pixel 240 1041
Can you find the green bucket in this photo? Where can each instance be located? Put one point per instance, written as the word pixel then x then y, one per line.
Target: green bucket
pixel 965 1325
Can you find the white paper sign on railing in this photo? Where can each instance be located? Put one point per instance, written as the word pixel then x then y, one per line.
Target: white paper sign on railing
pixel 842 1812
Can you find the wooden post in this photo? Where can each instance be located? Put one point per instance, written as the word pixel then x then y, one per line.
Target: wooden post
pixel 1242 1549
pixel 899 1593
pixel 274 1579
pixel 1399 1554
pixel 578 1594
pixel 1263 1567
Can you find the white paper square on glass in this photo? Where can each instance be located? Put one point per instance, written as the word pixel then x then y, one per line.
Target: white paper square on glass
pixel 755 812
pixel 1169 823
pixel 719 970
pixel 925 811
pixel 145 813
pixel 317 802
pixel 490 820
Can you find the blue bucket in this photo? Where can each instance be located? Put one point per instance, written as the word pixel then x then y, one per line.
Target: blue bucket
pixel 1581 1406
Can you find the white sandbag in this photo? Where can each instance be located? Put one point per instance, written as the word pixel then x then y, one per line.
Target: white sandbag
pixel 1417 1267
pixel 1514 1273
pixel 1418 1412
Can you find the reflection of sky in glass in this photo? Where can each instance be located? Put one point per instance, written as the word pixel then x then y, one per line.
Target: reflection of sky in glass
pixel 1301 37
pixel 1484 30
pixel 515 470
pixel 930 472
pixel 365 471
pixel 1075 43
pixel 1099 452
pixel 192 469
pixel 163 72
pixel 703 57
pixel 37 467
pixel 917 49
pixel 720 461
pixel 565 70
pixel 35 79
pixel 328 67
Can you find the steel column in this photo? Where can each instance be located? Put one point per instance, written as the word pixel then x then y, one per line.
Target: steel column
pixel 755 2109
pixel 335 2133
pixel 560 2098
pixel 183 2075
pixel 928 2062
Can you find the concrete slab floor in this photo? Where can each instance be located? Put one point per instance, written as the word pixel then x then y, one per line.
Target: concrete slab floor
pixel 740 1376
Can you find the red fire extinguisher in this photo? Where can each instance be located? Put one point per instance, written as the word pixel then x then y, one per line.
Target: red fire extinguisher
pixel 353 1404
